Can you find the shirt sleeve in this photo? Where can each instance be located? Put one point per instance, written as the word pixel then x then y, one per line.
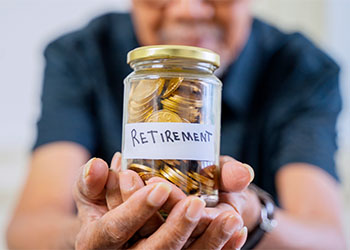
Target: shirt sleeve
pixel 66 113
pixel 305 116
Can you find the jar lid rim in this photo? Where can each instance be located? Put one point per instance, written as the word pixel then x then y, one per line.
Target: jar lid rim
pixel 173 51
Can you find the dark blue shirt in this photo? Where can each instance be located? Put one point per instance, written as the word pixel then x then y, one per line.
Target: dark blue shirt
pixel 280 98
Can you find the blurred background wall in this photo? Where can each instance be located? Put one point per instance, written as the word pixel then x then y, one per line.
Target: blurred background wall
pixel 27 26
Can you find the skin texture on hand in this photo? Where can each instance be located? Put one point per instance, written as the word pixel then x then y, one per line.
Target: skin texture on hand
pixel 44 218
pixel 111 216
pixel 112 229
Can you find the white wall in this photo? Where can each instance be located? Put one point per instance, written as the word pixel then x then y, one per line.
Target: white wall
pixel 27 26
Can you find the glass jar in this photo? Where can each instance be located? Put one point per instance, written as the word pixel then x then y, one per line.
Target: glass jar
pixel 171 118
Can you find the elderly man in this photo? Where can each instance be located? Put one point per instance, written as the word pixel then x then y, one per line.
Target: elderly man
pixel 280 104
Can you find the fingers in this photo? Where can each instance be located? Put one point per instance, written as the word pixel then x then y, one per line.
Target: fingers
pixel 157 220
pixel 93 178
pixel 178 227
pixel 237 240
pixel 119 224
pixel 235 176
pixel 130 182
pixel 219 232
pixel 89 189
pixel 113 194
pixel 208 216
pixel 175 196
pixel 116 163
pixel 236 200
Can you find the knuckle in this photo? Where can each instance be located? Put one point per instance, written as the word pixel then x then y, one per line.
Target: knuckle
pixel 214 243
pixel 179 236
pixel 116 230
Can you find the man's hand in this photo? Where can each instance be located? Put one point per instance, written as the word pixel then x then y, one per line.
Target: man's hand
pixel 109 223
pixel 112 229
pixel 234 198
pixel 234 201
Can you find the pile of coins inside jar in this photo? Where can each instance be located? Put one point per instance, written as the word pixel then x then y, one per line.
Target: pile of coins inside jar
pixel 179 101
pixel 181 173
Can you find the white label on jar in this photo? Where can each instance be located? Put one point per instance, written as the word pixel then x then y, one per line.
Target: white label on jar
pixel 182 141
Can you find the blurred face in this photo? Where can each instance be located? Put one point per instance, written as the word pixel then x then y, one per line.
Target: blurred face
pixel 220 25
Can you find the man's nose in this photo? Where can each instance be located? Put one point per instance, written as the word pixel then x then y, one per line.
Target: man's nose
pixel 190 9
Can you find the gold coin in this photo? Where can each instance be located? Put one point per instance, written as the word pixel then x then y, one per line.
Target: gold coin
pixel 170 104
pixel 164 116
pixel 172 173
pixel 146 89
pixel 172 163
pixel 140 168
pixel 142 118
pixel 202 179
pixel 186 183
pixel 188 114
pixel 207 190
pixel 188 179
pixel 173 85
pixel 138 113
pixel 170 178
pixel 157 164
pixel 193 87
pixel 138 106
pixel 171 109
pixel 209 171
pixel 194 117
pixel 177 181
pixel 145 176
pixel 185 101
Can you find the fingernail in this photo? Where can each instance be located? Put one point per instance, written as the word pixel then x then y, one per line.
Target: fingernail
pixel 88 167
pixel 159 194
pixel 115 163
pixel 243 231
pixel 127 182
pixel 113 180
pixel 195 208
pixel 241 238
pixel 230 224
pixel 250 170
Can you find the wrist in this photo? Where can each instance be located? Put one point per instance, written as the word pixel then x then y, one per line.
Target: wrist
pixel 266 222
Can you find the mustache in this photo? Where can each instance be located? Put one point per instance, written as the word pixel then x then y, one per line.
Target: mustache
pixel 190 31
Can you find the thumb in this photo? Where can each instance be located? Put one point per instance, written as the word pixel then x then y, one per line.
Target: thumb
pixel 89 191
pixel 235 176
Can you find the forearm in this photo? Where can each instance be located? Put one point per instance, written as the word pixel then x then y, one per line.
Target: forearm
pixel 293 232
pixel 43 230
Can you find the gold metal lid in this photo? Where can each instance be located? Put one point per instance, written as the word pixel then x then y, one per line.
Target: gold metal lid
pixel 174 51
